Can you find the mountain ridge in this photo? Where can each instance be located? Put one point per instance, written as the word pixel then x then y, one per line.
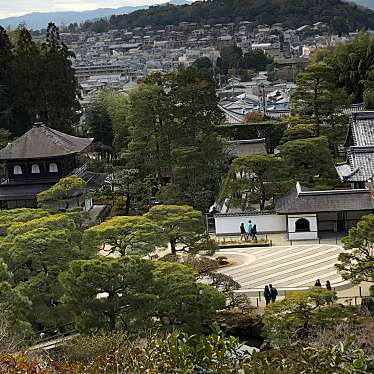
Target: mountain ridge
pixel 341 16
pixel 39 20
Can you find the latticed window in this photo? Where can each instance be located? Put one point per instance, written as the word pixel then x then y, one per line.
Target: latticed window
pixel 17 170
pixel 35 169
pixel 53 168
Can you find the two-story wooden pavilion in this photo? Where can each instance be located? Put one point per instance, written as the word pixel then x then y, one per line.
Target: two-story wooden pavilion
pixel 36 161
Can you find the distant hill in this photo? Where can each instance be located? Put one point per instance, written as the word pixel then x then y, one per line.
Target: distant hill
pixel 291 12
pixel 341 16
pixel 39 20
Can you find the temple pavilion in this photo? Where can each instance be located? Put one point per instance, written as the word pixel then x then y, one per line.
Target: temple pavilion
pixel 37 160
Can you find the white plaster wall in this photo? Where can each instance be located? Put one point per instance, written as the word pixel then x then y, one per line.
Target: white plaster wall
pixel 308 235
pixel 265 223
pixel 302 235
pixel 88 204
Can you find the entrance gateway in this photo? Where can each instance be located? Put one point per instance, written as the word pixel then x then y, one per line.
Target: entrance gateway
pixel 311 212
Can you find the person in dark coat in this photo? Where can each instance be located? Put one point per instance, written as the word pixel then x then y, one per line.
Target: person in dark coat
pixel 273 293
pixel 318 283
pixel 254 232
pixel 267 295
pixel 243 233
pixel 328 286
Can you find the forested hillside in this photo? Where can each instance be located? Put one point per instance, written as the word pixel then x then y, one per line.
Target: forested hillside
pixel 341 16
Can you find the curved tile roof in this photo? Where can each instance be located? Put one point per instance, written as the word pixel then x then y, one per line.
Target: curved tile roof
pixel 297 201
pixel 43 142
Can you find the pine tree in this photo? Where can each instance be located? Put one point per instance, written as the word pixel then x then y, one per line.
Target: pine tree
pixel 25 85
pixel 6 58
pixel 59 84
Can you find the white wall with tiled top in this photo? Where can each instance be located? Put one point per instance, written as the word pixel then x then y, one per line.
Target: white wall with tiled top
pixel 267 223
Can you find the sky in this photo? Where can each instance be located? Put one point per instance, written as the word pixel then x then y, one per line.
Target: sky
pixel 9 8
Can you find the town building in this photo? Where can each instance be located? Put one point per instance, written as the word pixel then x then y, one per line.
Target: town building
pixel 359 166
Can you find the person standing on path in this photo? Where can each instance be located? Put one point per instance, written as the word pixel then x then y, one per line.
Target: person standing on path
pixel 254 232
pixel 318 283
pixel 267 295
pixel 328 285
pixel 249 229
pixel 273 293
pixel 243 233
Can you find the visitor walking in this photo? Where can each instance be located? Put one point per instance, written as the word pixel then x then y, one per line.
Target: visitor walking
pixel 273 293
pixel 243 233
pixel 254 232
pixel 328 285
pixel 267 295
pixel 318 283
pixel 249 229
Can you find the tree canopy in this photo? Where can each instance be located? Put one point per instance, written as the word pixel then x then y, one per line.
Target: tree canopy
pixel 182 226
pixel 37 82
pixel 356 263
pixel 173 136
pixel 340 16
pixel 126 235
pixel 63 190
pixel 36 250
pixel 254 179
pixel 133 293
pixel 309 160
pixel 300 315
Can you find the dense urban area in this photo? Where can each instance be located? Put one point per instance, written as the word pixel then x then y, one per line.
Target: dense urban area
pixel 189 189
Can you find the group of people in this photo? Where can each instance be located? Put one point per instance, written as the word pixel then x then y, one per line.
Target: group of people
pixel 328 284
pixel 270 294
pixel 250 233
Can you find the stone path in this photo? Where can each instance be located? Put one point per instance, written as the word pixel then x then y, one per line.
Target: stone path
pixel 286 267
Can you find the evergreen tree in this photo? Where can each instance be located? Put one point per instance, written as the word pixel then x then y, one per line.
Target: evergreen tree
pixel 99 123
pixel 6 59
pixel 25 86
pixel 173 136
pixel 316 97
pixel 59 84
pixel 309 160
pixel 254 179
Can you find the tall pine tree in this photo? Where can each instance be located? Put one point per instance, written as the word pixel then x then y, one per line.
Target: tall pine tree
pixel 25 86
pixel 6 58
pixel 59 84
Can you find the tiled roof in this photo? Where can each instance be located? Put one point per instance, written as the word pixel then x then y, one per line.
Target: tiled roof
pixel 21 192
pixel 94 180
pixel 296 201
pixel 246 147
pixel 43 142
pixel 363 132
pixel 359 166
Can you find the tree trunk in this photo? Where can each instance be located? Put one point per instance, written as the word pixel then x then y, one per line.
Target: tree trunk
pixel 128 203
pixel 173 246
pixel 316 109
pixel 112 322
pixel 263 196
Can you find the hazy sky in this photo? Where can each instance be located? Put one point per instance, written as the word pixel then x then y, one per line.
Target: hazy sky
pixel 10 8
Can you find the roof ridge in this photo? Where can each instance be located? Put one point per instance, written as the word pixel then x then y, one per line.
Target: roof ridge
pixel 51 134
